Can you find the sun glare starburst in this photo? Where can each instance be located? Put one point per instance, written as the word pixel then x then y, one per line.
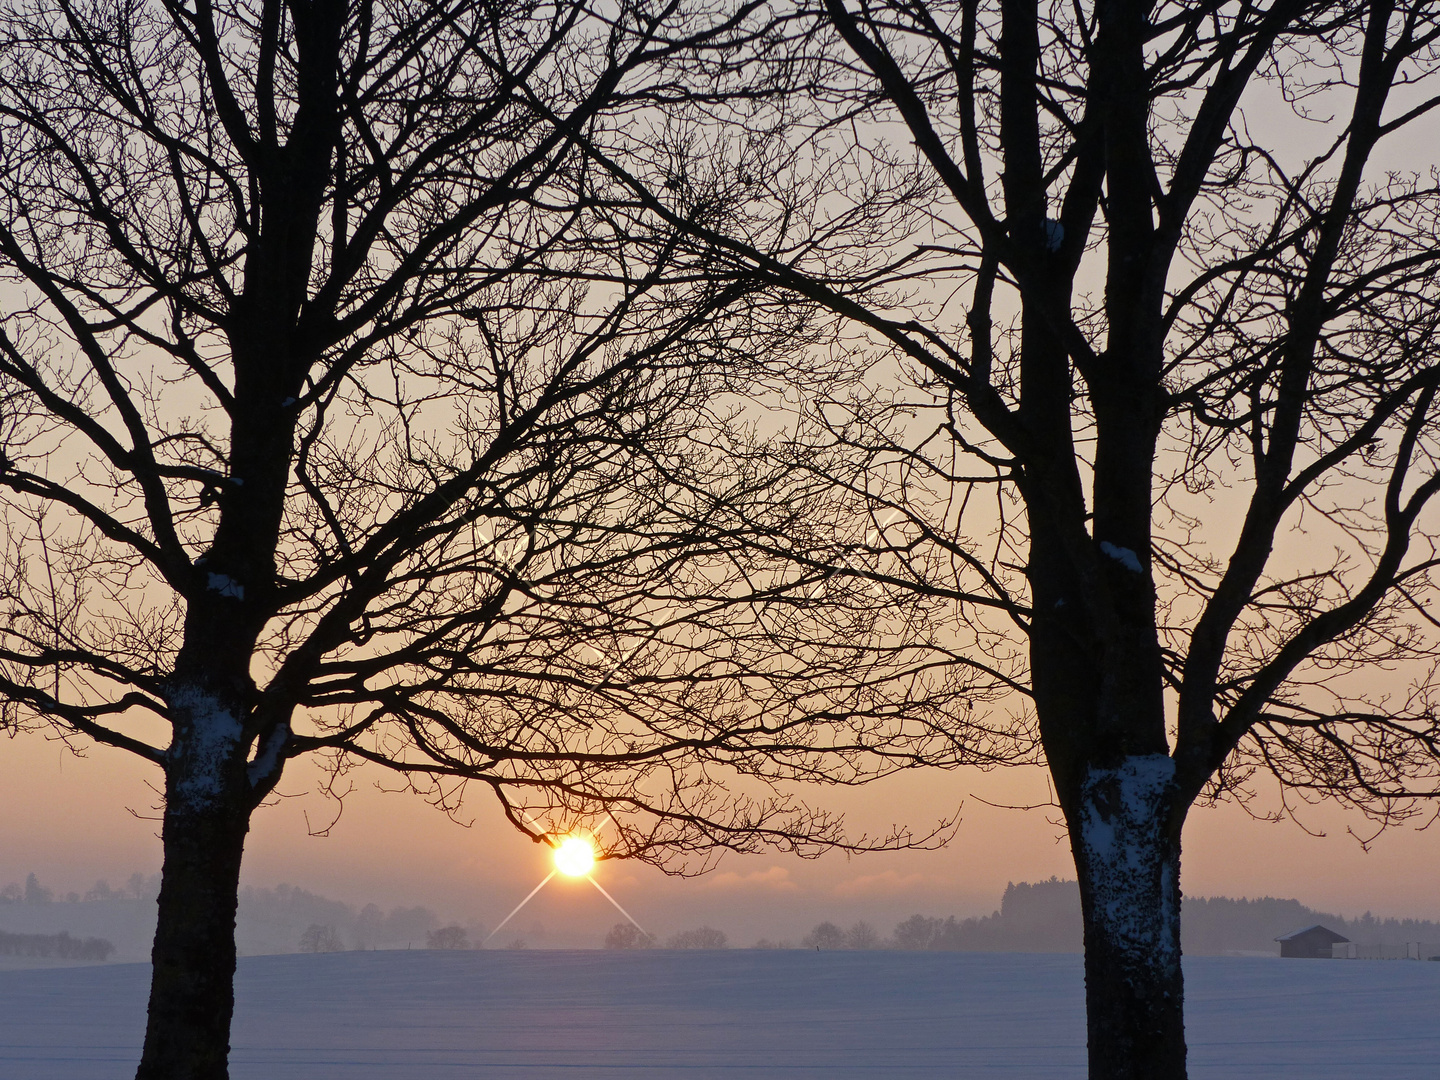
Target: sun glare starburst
pixel 575 857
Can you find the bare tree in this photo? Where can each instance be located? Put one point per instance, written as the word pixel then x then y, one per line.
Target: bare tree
pixel 319 938
pixel 704 937
pixel 346 409
pixel 825 935
pixel 624 935
pixel 447 937
pixel 1163 288
pixel 862 935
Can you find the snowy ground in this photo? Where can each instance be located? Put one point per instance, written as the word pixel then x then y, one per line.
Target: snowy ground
pixel 724 1015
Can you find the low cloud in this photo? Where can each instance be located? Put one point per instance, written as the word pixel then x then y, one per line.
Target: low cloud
pixel 775 879
pixel 888 883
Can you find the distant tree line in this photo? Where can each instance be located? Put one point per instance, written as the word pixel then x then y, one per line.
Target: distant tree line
pixel 1044 916
pixel 629 936
pixel 59 946
pixel 1218 924
pixel 274 920
pixel 827 936
pixel 321 938
pixel 139 887
pixel 1033 917
pixel 286 917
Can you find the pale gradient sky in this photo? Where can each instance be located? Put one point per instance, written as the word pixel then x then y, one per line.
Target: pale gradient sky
pixel 66 819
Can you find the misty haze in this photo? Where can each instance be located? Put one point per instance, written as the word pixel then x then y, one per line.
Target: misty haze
pixel 638 1004
pixel 667 537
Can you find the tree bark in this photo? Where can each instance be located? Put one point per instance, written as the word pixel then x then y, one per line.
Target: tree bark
pixel 1127 852
pixel 207 814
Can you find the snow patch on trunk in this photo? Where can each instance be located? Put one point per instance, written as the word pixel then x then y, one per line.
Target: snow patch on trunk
pixel 1132 889
pixel 226 586
pixel 268 755
pixel 1123 555
pixel 205 750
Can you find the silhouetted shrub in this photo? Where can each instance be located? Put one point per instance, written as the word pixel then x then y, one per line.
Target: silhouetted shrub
pixel 705 937
pixel 624 935
pixel 447 937
pixel 318 939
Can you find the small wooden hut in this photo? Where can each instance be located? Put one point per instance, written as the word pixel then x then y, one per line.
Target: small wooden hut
pixel 1310 943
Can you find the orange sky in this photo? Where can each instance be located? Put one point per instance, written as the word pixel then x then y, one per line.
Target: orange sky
pixel 66 819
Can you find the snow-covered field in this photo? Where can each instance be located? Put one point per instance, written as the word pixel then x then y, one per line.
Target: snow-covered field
pixel 789 1015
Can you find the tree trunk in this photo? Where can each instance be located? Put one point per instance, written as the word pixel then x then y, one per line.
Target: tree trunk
pixel 192 995
pixel 1127 853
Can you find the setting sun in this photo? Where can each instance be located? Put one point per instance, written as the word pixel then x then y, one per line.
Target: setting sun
pixel 574 857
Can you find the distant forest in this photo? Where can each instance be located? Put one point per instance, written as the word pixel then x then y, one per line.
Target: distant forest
pixel 269 920
pixel 59 946
pixel 1045 917
pixel 1039 917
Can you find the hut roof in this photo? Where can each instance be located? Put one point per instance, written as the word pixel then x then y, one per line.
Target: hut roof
pixel 1316 931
